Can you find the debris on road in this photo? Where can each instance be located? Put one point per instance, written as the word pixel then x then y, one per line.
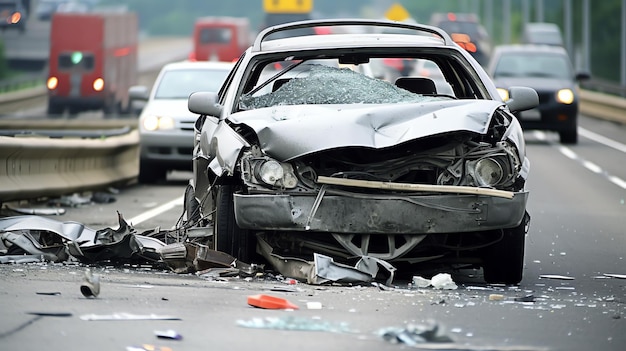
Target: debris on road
pixel 555 276
pixel 414 334
pixel 323 269
pixel 91 285
pixel 439 281
pixel 56 241
pixel 127 317
pixel 168 334
pixel 271 302
pixel 295 323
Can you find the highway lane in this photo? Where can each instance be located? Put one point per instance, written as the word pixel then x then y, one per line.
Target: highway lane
pixel 577 231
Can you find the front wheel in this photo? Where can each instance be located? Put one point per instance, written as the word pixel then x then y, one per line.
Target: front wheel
pixel 150 173
pixel 229 238
pixel 503 262
pixel 569 136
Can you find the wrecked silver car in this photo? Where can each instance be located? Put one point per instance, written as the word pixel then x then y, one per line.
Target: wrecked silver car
pixel 306 150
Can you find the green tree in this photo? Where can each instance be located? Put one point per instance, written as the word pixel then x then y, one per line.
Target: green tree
pixel 4 67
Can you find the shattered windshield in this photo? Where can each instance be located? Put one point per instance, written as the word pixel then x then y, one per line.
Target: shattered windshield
pixel 324 84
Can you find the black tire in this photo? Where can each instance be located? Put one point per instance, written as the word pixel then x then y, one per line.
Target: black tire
pixel 54 110
pixel 151 174
pixel 229 238
pixel 569 136
pixel 503 262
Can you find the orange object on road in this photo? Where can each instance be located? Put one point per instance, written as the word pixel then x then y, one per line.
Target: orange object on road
pixel 270 302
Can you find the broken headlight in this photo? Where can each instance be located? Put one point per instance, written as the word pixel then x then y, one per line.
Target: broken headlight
pixel 489 171
pixel 268 172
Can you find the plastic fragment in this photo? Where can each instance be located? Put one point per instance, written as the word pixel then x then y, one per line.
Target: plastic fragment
pixel 314 305
pixel 496 297
pixel 91 285
pixel 168 334
pixel 421 282
pixel 527 298
pixel 555 276
pixel 443 281
pixel 270 302
pixel 126 317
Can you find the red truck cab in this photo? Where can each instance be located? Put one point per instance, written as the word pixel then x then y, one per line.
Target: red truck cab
pixel 220 38
pixel 92 63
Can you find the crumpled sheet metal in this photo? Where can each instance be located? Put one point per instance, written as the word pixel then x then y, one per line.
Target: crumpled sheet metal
pixel 323 269
pixel 193 257
pixel 83 243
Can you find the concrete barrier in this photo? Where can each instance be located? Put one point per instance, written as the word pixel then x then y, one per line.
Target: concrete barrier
pixel 604 106
pixel 37 167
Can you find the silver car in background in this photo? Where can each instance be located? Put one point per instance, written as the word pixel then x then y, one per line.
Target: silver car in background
pixel 165 123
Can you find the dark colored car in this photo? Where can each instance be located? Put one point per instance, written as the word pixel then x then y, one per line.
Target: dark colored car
pixel 466 30
pixel 542 33
pixel 549 71
pixel 307 159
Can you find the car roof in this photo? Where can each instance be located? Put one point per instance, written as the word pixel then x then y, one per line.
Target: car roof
pixel 198 64
pixel 538 48
pixel 541 25
pixel 350 41
pixel 422 35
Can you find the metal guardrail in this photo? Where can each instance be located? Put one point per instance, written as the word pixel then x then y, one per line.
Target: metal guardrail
pixel 23 81
pixel 46 164
pixel 604 86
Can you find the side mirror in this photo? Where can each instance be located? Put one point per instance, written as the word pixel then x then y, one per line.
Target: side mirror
pixel 138 92
pixel 204 103
pixel 522 99
pixel 582 76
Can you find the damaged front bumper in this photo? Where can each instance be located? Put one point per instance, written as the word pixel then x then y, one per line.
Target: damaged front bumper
pixel 340 211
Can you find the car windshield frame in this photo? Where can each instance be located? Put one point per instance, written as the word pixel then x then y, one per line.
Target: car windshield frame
pixel 450 61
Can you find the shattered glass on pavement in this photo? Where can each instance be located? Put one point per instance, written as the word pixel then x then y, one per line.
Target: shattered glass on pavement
pixel 330 85
pixel 295 323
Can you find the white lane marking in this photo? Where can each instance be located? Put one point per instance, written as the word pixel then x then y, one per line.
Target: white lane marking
pixel 156 211
pixel 567 152
pixel 602 139
pixel 617 181
pixel 592 166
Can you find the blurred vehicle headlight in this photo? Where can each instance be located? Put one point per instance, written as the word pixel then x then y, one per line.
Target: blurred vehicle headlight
pixel 154 123
pixel 504 94
pixel 98 84
pixel 53 83
pixel 565 96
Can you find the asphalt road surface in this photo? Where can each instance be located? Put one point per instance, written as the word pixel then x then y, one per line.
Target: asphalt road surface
pixel 572 296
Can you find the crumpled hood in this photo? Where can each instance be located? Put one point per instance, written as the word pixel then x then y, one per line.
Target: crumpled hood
pixel 290 131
